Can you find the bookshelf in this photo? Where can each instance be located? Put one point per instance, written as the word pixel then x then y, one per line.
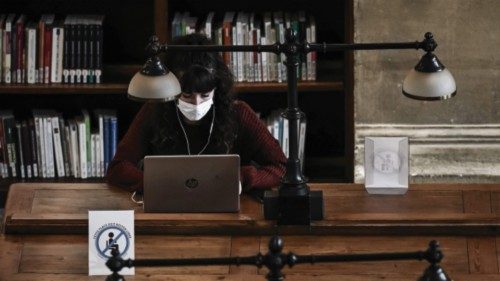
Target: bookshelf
pixel 327 102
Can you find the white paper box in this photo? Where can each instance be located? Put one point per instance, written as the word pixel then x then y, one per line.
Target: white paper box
pixel 386 165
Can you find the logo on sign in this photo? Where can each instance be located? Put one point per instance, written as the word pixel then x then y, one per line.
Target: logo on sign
pixel 191 183
pixel 112 236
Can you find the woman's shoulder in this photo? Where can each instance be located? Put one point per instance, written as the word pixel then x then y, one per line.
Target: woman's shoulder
pixel 246 117
pixel 242 109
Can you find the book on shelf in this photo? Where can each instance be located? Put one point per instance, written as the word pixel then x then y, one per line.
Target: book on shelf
pixel 47 145
pixel 23 131
pixel 2 26
pixel 279 29
pixel 97 22
pixel 34 147
pixel 242 28
pixel 7 48
pixel 74 151
pixel 56 64
pixel 31 51
pixel 19 67
pixel 9 143
pixel 48 49
pixel 69 48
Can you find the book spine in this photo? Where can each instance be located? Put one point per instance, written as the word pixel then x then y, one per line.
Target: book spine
pixel 78 55
pixel 31 53
pixel 101 145
pixel 66 58
pixel 34 147
pixel 238 36
pixel 87 140
pixel 56 135
pixel 98 49
pixel 85 53
pixel 42 171
pixel 14 66
pixel 313 54
pixel 75 160
pixel 72 53
pixel 69 155
pixel 44 141
pixel 113 136
pixel 40 51
pixel 26 147
pixel 93 156
pixel 49 146
pixel 226 40
pixel 7 53
pixel 10 141
pixel 106 143
pixel 302 142
pixel 3 151
pixel 92 45
pixel 234 55
pixel 65 155
pixel 47 54
pixel 83 149
pixel 98 156
pixel 57 54
pixel 264 61
pixel 19 152
pixel 20 52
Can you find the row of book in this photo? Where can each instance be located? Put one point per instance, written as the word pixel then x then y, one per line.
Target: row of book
pixel 243 28
pixel 279 129
pixel 48 146
pixel 49 49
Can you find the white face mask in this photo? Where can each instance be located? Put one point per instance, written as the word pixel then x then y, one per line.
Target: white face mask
pixel 194 112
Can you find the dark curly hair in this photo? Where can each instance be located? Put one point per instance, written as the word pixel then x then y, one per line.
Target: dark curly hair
pixel 198 72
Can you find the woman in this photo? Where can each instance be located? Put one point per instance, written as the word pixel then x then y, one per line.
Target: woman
pixel 203 120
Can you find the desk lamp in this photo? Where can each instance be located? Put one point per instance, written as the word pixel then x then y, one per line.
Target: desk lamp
pixel 294 203
pixel 275 260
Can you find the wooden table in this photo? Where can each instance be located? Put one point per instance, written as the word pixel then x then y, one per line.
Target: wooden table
pixel 425 209
pixel 463 218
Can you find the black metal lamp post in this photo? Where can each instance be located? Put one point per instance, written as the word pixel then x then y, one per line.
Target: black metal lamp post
pixel 275 260
pixel 294 203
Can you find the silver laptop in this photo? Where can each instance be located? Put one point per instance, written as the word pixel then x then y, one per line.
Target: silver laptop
pixel 194 183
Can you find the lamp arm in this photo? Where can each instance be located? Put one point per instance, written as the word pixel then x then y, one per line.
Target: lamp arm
pixel 428 45
pixel 154 47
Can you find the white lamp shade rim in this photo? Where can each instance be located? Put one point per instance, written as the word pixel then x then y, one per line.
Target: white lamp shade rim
pixel 438 85
pixel 154 88
pixel 445 97
pixel 139 99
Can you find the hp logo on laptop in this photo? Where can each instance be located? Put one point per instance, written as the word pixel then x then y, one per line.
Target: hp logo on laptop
pixel 191 183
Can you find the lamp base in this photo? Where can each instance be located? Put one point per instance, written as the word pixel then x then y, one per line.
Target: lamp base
pixel 293 209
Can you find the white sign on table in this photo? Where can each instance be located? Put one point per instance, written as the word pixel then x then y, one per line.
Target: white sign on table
pixel 386 165
pixel 110 230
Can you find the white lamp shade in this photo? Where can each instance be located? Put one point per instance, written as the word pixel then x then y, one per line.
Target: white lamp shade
pixel 438 85
pixel 156 88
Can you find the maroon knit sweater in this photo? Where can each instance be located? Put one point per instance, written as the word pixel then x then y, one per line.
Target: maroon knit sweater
pixel 262 160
